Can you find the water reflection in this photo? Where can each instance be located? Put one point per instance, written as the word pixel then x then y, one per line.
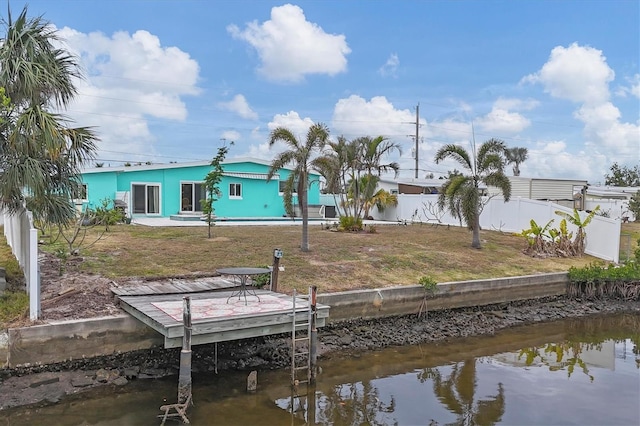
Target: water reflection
pixel 457 392
pixel 569 372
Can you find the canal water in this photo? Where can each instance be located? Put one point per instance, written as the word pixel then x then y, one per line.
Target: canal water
pixel 572 372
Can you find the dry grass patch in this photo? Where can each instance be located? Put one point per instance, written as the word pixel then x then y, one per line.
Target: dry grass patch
pixel 395 255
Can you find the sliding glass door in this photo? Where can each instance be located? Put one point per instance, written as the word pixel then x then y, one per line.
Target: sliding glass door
pixel 191 193
pixel 146 198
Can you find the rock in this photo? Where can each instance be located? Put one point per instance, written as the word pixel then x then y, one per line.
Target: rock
pixel 345 340
pixel 131 372
pixel 44 381
pixel 120 381
pixel 82 382
pixel 105 375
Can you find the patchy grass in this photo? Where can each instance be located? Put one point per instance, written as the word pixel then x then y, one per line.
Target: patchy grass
pixel 629 236
pixel 14 304
pixel 394 255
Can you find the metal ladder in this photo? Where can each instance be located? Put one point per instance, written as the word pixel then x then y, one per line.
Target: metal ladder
pixel 300 346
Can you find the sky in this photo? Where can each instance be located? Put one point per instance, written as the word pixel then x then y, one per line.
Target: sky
pixel 170 80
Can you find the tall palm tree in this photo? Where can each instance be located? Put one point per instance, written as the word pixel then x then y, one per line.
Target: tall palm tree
pixel 354 167
pixel 299 155
pixel 461 193
pixel 40 154
pixel 338 166
pixel 516 156
pixel 457 394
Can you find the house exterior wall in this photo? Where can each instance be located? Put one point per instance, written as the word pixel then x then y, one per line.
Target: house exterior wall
pixel 542 189
pixel 258 198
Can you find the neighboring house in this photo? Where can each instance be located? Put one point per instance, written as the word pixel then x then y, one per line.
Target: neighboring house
pixel 175 189
pixel 612 200
pixel 411 186
pixel 559 191
pixel 414 186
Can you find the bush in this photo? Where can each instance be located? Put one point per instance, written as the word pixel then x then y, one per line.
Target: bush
pixel 597 280
pixel 428 283
pixel 262 280
pixel 350 224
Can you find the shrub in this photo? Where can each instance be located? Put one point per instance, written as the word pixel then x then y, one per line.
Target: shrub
pixel 350 224
pixel 428 283
pixel 262 280
pixel 597 280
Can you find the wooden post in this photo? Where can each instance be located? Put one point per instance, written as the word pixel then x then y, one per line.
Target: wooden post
pixel 313 341
pixel 277 254
pixel 184 378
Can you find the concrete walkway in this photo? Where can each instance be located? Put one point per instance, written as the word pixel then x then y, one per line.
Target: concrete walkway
pixel 267 221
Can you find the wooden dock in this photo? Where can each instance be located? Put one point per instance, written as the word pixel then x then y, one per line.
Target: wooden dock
pixel 216 317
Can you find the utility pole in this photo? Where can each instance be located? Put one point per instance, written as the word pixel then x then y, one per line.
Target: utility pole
pixel 417 135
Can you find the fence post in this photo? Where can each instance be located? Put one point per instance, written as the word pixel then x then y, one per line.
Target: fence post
pixel 33 276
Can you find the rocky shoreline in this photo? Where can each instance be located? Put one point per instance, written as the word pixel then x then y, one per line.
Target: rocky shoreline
pixel 48 384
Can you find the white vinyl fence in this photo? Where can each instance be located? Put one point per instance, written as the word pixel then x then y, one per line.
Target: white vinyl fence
pixel 615 209
pixel 22 237
pixel 603 234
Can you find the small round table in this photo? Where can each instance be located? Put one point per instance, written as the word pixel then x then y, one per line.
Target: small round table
pixel 243 275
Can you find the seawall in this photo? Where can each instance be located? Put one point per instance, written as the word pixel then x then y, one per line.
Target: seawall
pixel 79 339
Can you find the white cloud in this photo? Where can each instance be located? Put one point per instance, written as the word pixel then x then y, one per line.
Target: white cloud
pixel 633 89
pixel 500 119
pixel 240 106
pixel 129 78
pixel 581 74
pixel 231 135
pixel 355 117
pixel 390 68
pixel 552 159
pixel 290 47
pixel 292 121
pixel 577 73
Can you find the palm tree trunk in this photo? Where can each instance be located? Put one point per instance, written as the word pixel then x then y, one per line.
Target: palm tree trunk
pixel 476 232
pixel 305 220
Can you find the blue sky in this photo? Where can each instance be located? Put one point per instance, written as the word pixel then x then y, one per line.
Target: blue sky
pixel 170 80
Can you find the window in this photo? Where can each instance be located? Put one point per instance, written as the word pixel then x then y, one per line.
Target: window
pixel 80 194
pixel 235 190
pixel 146 198
pixel 190 195
pixel 282 185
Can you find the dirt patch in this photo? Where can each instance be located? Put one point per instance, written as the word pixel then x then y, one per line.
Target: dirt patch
pixel 68 293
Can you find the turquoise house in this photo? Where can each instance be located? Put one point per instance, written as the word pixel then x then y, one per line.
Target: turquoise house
pixel 175 189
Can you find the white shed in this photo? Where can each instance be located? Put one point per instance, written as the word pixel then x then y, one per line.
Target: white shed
pixel 560 191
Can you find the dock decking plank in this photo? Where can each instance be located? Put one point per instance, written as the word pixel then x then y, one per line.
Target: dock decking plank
pixel 221 328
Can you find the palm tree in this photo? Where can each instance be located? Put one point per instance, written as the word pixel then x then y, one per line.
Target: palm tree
pixel 354 168
pixel 299 155
pixel 516 156
pixel 457 394
pixel 40 155
pixel 461 194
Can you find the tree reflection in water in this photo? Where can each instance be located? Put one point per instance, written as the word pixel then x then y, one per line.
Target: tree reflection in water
pixel 567 354
pixel 457 393
pixel 355 404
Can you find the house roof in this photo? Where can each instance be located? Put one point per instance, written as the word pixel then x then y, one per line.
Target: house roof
pixel 245 175
pixel 612 191
pixel 423 183
pixel 161 166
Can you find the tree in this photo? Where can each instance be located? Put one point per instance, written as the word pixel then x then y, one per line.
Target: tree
pixel 353 169
pixel 516 156
pixel 212 186
pixel 623 176
pixel 634 205
pixel 577 221
pixel 299 155
pixel 40 154
pixel 461 193
pixel 458 394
